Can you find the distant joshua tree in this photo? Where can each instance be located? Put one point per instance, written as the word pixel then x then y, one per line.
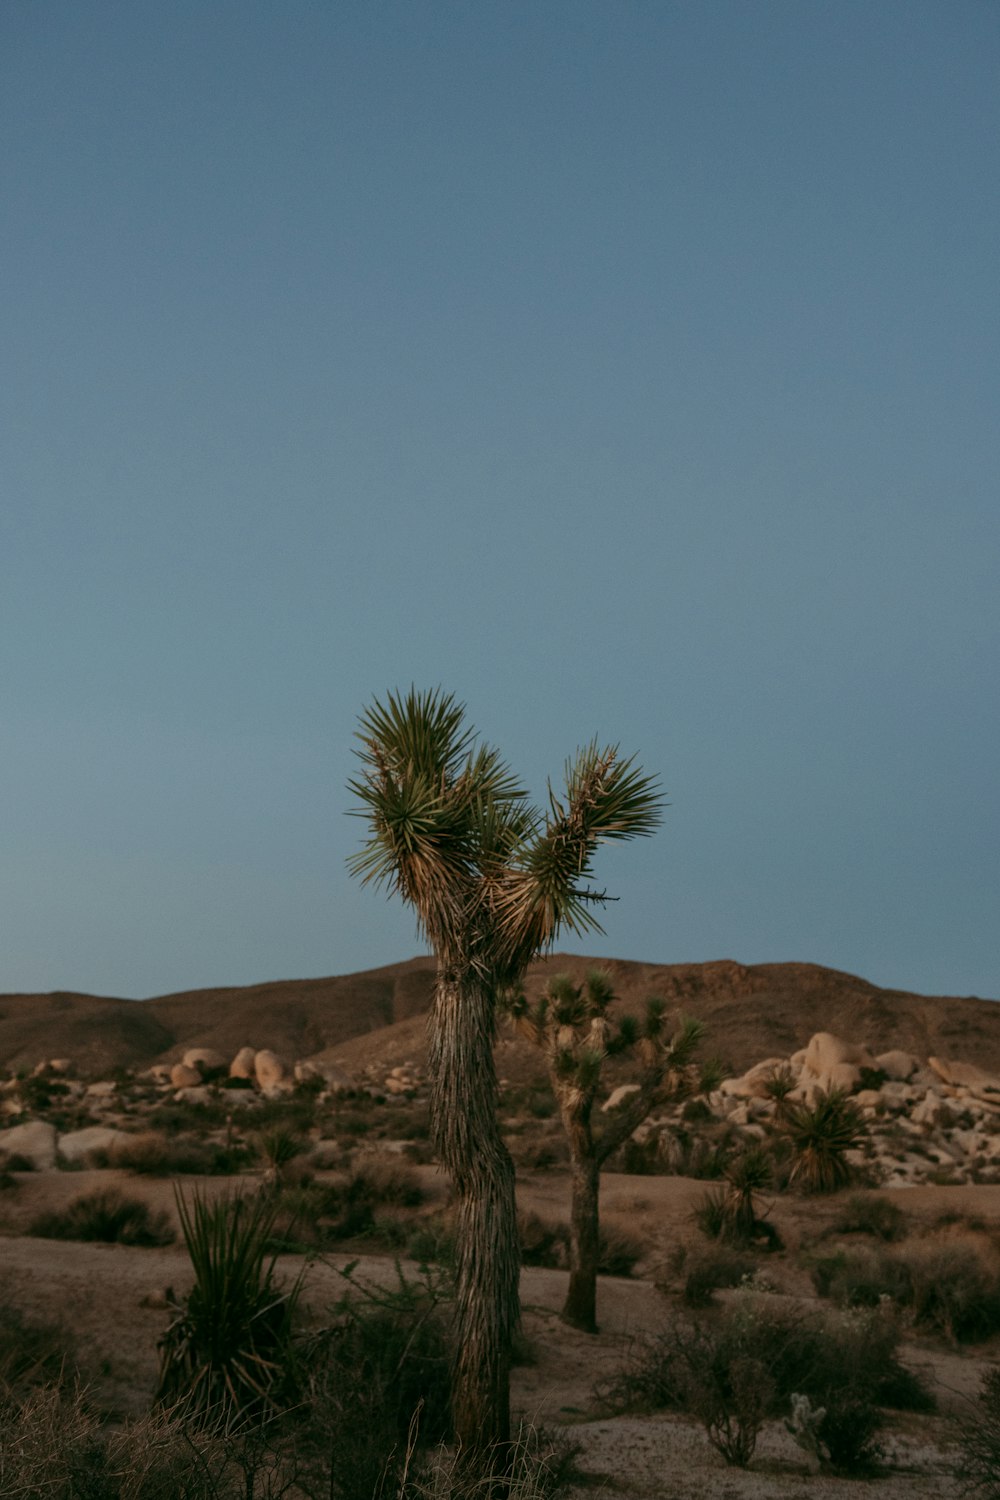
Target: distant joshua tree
pixel 492 881
pixel 571 1026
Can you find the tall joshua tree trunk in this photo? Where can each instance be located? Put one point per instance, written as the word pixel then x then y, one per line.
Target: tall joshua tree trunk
pixel 467 1136
pixel 491 880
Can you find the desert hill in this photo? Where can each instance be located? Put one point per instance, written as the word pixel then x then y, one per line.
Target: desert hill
pixel 751 1011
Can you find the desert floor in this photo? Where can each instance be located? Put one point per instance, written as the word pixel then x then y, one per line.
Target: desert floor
pixel 112 1297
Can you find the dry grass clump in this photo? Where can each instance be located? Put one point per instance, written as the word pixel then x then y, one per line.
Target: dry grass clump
pixel 152 1153
pixel 106 1216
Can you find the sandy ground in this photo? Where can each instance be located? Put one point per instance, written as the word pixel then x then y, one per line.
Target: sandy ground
pixel 112 1297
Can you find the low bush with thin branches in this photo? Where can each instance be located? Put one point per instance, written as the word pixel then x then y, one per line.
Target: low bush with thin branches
pixel 736 1370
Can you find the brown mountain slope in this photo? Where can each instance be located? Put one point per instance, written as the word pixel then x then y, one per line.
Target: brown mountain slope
pixel 750 1011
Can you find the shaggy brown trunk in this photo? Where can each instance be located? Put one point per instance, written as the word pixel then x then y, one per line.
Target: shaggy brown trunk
pixel 467 1135
pixel 580 1307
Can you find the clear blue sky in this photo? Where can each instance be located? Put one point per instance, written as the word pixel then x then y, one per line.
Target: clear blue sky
pixel 628 369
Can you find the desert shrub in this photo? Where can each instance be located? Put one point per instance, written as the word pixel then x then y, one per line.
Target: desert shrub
pixel 980 1441
pixel 865 1213
pixel 953 1289
pixel 54 1447
pixel 542 1244
pixel 154 1154
pixel 542 1465
pixel 432 1242
pixel 746 1365
pixel 107 1216
pixel 618 1253
pixel 319 1215
pixel 32 1353
pixel 946 1284
pixel 179 1117
pixel 227 1356
pixel 861 1277
pixel 711 1271
pixel 379 1389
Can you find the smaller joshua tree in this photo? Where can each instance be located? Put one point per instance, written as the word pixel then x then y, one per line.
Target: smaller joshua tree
pixel 571 1026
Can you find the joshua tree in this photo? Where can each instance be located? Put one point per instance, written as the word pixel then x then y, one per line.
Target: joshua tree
pixel 570 1024
pixel 492 881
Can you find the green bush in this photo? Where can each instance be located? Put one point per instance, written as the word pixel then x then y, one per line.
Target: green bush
pixel 106 1216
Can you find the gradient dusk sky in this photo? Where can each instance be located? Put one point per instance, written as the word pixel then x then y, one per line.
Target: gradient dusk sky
pixel 627 369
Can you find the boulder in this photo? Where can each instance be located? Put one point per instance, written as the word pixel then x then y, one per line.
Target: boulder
pixel 183 1077
pixel 897 1066
pixel 35 1140
pixel 332 1076
pixel 619 1095
pixel 826 1052
pixel 102 1090
pixel 242 1065
pixel 268 1068
pixel 203 1059
pixel 158 1073
pixel 398 1085
pixel 960 1074
pixel 930 1111
pixel 78 1144
pixel 198 1093
pixel 753 1083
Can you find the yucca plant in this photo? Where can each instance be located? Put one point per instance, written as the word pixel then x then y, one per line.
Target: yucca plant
pixel 730 1213
pixel 821 1134
pixel 279 1145
pixel 778 1086
pixel 227 1354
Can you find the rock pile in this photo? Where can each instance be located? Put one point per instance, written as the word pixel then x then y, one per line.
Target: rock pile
pixel 937 1121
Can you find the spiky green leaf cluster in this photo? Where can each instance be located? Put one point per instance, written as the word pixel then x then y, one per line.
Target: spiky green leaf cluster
pixel 452 831
pixel 227 1354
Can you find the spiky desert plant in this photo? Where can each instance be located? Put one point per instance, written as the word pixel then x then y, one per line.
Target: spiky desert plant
pixel 821 1133
pixel 571 1025
pixel 227 1353
pixel 492 880
pixel 778 1085
pixel 730 1212
pixel 279 1145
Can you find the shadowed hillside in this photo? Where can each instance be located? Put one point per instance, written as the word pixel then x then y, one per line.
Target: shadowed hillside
pixel 751 1011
